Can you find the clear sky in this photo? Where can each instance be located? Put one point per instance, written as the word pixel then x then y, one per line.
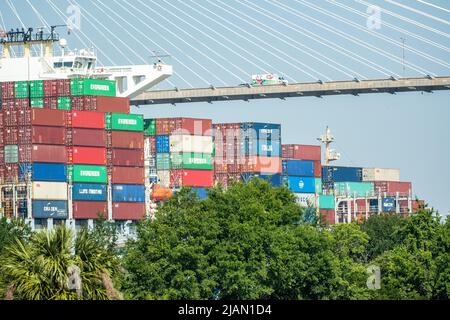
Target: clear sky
pixel 224 42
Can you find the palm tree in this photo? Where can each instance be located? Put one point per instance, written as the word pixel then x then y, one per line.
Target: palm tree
pixel 44 267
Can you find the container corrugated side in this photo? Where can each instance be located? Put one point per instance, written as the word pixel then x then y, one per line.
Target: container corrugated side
pixel 187 143
pixel 89 209
pixel 89 192
pixel 49 172
pixel 300 184
pixel 89 174
pixel 128 193
pixel 380 174
pixel 303 168
pixel 44 209
pixel 360 189
pixel 42 190
pixel 326 202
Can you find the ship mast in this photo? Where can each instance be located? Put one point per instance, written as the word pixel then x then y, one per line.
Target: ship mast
pixel 330 154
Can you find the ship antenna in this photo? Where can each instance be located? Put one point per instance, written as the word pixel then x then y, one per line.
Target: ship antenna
pixel 330 154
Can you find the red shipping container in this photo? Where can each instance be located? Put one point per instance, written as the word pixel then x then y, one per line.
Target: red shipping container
pixel 301 152
pixel 89 209
pixel 87 119
pixel 48 135
pixel 106 104
pixel 317 169
pixel 2 140
pixel 50 88
pixel 2 156
pixel 63 87
pixel 193 178
pixel 1 119
pixel 21 104
pixel 8 105
pixel 10 135
pixel 127 175
pixel 152 145
pixel 327 216
pixel 24 134
pixel 24 117
pixel 47 117
pixel 51 103
pixel 11 172
pixel 393 187
pixel 25 153
pixel 77 103
pixel 10 117
pixel 128 210
pixel 88 137
pixel 7 90
pixel 184 126
pixel 127 140
pixel 49 153
pixel 87 155
pixel 128 157
pixel 260 164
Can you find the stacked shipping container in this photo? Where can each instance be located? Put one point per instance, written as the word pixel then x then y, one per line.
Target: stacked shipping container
pixel 181 150
pixel 62 137
pixel 301 172
pixel 245 150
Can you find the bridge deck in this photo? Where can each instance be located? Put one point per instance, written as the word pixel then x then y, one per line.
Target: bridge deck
pixel 317 89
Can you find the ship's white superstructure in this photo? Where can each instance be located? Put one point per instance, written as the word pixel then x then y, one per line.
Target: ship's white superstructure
pixel 45 64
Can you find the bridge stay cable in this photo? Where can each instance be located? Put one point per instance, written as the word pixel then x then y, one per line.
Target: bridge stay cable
pixel 215 40
pixel 391 26
pixel 206 46
pixel 433 5
pixel 348 37
pixel 145 24
pixel 317 73
pixel 375 34
pixel 418 12
pixel 281 37
pixel 14 10
pixel 323 41
pixel 411 21
pixel 61 15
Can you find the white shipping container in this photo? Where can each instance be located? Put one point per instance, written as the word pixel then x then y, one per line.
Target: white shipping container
pixel 188 143
pixel 164 178
pixel 380 174
pixel 147 155
pixel 306 199
pixel 49 190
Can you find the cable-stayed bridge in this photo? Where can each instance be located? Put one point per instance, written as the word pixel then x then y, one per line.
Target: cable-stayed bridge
pixel 374 46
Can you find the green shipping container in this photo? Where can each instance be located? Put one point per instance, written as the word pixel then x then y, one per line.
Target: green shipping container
pixel 21 89
pixel 150 127
pixel 318 183
pixel 361 189
pixel 11 153
pixel 90 174
pixel 37 103
pixel 194 161
pixel 64 103
pixel 37 89
pixel 326 202
pixel 124 122
pixel 163 161
pixel 92 87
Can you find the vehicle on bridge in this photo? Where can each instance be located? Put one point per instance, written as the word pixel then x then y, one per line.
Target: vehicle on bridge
pixel 267 79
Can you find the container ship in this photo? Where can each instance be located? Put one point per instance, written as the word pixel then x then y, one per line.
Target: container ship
pixel 71 151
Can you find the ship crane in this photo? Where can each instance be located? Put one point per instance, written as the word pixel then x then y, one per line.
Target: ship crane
pixel 330 154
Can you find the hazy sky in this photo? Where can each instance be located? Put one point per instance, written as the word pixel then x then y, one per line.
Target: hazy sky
pixel 407 131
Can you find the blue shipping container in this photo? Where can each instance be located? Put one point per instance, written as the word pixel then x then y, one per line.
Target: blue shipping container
pixel 56 172
pixel 273 178
pixel 162 144
pixel 341 174
pixel 44 209
pixel 300 184
pixel 303 168
pixel 388 204
pixel 128 193
pixel 265 148
pixel 261 131
pixel 202 193
pixel 89 192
